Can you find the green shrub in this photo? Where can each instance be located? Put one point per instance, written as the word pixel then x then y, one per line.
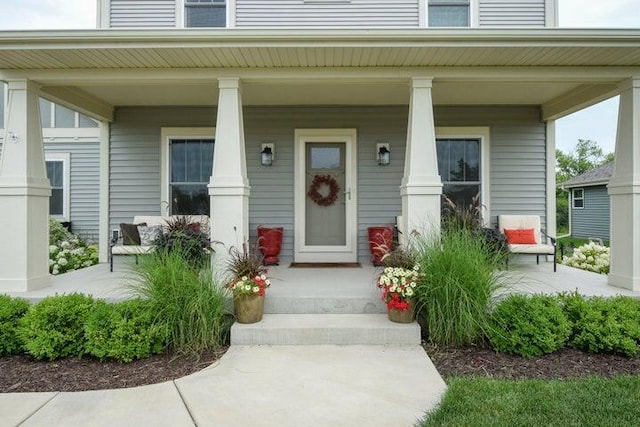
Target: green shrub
pixel 124 331
pixel 529 326
pixel 11 311
pixel 70 254
pixel 57 233
pixel 54 328
pixel 604 324
pixel 189 238
pixel 458 280
pixel 187 300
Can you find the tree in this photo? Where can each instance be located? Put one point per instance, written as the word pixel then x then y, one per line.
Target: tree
pixel 587 155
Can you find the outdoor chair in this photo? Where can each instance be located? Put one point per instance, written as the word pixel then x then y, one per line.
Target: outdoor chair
pixel 524 236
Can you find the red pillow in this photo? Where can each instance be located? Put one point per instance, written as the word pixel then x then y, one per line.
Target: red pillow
pixel 525 236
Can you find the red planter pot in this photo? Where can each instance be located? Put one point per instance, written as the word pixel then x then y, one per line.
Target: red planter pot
pixel 380 242
pixel 270 244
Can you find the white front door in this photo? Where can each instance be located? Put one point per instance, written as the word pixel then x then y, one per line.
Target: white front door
pixel 325 195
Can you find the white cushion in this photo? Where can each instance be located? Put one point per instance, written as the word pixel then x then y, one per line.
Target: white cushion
pixel 532 249
pixel 131 250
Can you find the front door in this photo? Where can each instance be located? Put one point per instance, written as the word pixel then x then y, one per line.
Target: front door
pixel 326 221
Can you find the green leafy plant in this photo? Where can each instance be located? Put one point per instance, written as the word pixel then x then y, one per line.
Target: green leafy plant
pixel 11 311
pixel 71 254
pixel 124 331
pixel 189 238
pixel 57 232
pixel 458 280
pixel 54 328
pixel 529 326
pixel 400 257
pixel 187 300
pixel 245 262
pixel 600 324
pixel 590 257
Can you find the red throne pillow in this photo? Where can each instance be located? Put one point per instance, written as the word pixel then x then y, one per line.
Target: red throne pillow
pixel 525 236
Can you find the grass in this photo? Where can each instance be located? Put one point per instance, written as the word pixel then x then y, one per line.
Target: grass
pixel 596 402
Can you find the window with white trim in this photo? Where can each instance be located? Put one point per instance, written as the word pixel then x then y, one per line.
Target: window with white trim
pixel 459 168
pixel 57 116
pixel 190 166
pixel 449 13
pixel 58 165
pixel 205 13
pixel 578 198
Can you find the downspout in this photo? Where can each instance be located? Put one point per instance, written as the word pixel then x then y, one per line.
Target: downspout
pixel 569 213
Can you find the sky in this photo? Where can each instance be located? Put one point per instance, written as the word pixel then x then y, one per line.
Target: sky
pixel 597 123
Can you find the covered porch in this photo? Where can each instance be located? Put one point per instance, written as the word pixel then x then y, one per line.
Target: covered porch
pixel 230 83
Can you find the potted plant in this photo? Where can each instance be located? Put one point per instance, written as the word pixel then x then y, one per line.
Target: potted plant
pixel 248 284
pixel 398 290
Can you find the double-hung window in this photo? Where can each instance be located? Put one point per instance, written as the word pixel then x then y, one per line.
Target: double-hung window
pixel 205 13
pixel 449 13
pixel 578 198
pixel 190 166
pixel 59 179
pixel 459 168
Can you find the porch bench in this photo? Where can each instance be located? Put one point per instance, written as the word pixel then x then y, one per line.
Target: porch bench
pixel 524 223
pixel 117 246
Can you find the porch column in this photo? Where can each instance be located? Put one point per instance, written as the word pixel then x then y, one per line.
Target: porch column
pixel 24 194
pixel 229 186
pixel 421 185
pixel 624 191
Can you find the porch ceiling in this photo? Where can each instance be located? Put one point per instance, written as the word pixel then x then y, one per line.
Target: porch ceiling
pixel 99 69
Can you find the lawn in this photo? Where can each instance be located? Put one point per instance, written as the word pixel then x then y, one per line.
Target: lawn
pixel 581 402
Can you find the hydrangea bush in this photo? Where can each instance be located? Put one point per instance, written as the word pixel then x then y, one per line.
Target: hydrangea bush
pixel 591 257
pixel 67 251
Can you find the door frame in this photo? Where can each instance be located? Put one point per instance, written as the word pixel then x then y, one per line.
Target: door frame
pixel 343 253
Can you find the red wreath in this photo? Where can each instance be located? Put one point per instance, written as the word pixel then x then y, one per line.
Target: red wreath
pixel 317 197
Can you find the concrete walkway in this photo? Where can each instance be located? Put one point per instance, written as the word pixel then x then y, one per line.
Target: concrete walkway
pixel 257 386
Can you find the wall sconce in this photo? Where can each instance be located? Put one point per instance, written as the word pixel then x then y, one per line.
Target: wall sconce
pixel 268 154
pixel 383 154
pixel 12 137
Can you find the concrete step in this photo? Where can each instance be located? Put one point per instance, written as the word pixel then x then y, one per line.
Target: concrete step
pixel 365 304
pixel 319 329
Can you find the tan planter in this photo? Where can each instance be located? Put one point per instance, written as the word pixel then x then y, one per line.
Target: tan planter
pixel 248 308
pixel 400 316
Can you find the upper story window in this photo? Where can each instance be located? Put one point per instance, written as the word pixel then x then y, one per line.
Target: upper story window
pixel 205 13
pixel 449 13
pixel 56 116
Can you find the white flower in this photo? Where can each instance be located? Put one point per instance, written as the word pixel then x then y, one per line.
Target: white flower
pixel 247 287
pixel 263 277
pixel 256 289
pixel 55 271
pixel 244 278
pixel 267 282
pixel 53 249
pixel 409 292
pixel 65 244
pixel 63 261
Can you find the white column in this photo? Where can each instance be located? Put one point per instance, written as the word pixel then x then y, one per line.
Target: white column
pixel 421 185
pixel 105 234
pixel 24 194
pixel 229 186
pixel 624 191
pixel 551 227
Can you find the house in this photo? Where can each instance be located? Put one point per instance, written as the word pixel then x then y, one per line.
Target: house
pixel 72 156
pixel 589 203
pixel 461 96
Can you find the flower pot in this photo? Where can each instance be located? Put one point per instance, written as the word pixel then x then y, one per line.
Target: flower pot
pixel 380 242
pixel 402 316
pixel 270 244
pixel 248 308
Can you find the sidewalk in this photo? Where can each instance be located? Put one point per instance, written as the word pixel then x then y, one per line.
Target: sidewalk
pixel 260 386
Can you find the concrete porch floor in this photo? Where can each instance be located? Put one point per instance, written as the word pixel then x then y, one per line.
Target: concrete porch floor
pixel 345 283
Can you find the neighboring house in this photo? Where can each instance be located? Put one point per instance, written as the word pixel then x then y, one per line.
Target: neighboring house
pixel 72 155
pixel 327 88
pixel 589 203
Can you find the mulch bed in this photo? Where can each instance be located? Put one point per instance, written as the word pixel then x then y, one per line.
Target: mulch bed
pixel 24 374
pixel 568 363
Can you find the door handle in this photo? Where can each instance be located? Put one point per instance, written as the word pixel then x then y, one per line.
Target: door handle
pixel 347 193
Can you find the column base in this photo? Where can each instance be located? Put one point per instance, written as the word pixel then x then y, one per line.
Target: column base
pixel 624 282
pixel 25 285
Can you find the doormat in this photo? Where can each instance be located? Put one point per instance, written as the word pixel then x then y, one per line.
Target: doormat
pixel 325 265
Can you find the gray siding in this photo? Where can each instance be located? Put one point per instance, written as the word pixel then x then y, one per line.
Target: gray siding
pixel 142 13
pixel 354 13
pixel 512 13
pixel 85 185
pixel 592 221
pixel 517 151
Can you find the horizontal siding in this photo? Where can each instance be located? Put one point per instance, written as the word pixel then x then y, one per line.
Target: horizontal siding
pixel 517 150
pixel 592 221
pixel 352 13
pixel 512 13
pixel 142 13
pixel 84 198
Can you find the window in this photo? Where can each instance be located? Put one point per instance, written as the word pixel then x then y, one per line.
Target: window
pixel 578 198
pixel 56 116
pixel 58 174
pixel 205 13
pixel 459 168
pixel 449 13
pixel 190 165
